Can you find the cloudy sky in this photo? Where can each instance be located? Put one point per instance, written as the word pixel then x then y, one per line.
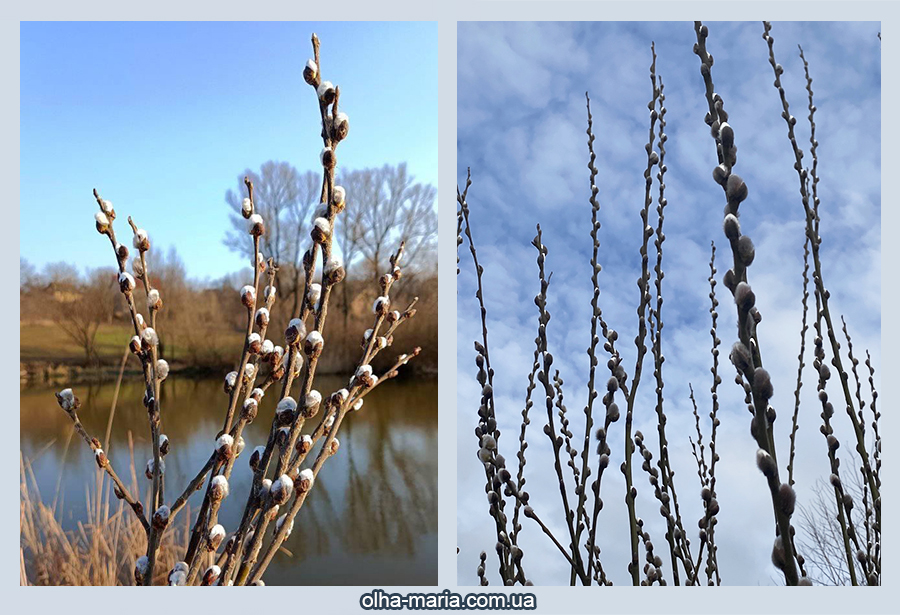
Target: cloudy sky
pixel 521 128
pixel 162 117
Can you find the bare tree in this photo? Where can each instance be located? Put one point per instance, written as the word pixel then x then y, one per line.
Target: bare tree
pixel 285 198
pixel 60 273
pixel 386 206
pixel 80 310
pixel 820 539
pixel 27 274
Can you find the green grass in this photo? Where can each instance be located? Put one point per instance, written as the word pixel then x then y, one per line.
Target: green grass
pixel 47 342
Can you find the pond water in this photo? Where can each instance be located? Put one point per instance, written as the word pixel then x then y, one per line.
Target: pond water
pixel 371 518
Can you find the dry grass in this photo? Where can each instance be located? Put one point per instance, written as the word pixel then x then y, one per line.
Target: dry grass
pixel 101 551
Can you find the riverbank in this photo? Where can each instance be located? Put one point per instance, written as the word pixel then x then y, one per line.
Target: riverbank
pixel 46 355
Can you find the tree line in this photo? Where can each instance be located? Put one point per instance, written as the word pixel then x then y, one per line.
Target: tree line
pixel 385 205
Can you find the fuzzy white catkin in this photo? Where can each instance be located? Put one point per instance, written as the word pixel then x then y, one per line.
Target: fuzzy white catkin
pixel 248 291
pixel 286 405
pixel 315 339
pixel 224 441
pixel 221 482
pixel 298 362
pixel 149 335
pixel 323 88
pixel 231 378
pixel 314 293
pixel 381 303
pixel 152 298
pixel 140 236
pixel 312 66
pixel 151 465
pixel 126 280
pixel 247 207
pixel 323 226
pixel 249 371
pixel 162 369
pixel 268 347
pixel 283 432
pixel 307 478
pixel 255 219
pixel 332 264
pixel 101 218
pixel 141 564
pixel 280 522
pixel 297 325
pixel 339 193
pixel 66 399
pixel 217 533
pixel 106 206
pixel 283 484
pixel 313 398
pixel 137 266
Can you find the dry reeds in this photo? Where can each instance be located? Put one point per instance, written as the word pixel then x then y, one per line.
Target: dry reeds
pixel 99 552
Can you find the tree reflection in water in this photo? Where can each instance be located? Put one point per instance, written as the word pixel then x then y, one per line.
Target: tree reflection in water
pixel 371 520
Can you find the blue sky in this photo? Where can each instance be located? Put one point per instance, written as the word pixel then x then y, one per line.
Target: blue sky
pixel 521 127
pixel 162 117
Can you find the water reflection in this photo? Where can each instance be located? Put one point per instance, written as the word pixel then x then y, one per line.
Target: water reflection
pixel 372 516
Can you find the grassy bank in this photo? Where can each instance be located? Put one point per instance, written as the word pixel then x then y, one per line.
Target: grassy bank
pixel 43 342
